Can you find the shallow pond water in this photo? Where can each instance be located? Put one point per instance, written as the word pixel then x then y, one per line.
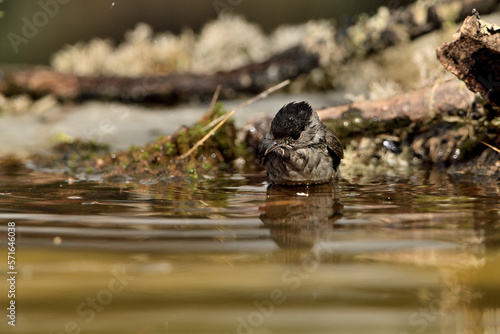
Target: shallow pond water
pixel 381 254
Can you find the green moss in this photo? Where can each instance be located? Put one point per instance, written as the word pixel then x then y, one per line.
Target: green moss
pixel 162 157
pixel 134 148
pixel 182 142
pixel 352 124
pixel 169 148
pixel 206 166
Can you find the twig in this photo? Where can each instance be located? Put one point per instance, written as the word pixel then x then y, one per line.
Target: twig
pixel 490 146
pixel 229 114
pixel 211 108
pixel 212 123
pixel 215 98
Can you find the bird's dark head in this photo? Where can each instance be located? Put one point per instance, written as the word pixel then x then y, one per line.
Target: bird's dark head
pixel 291 120
pixel 295 125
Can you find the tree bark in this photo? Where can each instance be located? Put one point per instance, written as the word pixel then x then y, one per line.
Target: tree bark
pixel 417 105
pixel 173 88
pixel 474 57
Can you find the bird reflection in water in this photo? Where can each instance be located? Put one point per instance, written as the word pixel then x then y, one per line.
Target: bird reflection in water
pixel 298 217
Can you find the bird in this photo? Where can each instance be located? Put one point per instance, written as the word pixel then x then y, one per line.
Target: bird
pixel 299 149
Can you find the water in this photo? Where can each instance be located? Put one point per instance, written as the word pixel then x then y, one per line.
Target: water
pixel 379 254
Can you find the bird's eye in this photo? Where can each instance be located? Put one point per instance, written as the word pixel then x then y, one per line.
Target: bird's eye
pixel 295 136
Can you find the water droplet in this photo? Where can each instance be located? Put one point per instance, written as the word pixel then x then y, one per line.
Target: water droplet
pixel 75 197
pixel 90 203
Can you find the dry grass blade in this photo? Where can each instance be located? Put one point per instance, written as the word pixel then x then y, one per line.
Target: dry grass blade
pixel 490 146
pixel 229 114
pixel 212 106
pixel 215 97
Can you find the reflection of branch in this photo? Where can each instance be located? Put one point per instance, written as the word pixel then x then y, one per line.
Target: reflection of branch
pixel 229 114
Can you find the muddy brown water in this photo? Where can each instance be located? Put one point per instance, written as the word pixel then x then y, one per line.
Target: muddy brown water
pixel 382 254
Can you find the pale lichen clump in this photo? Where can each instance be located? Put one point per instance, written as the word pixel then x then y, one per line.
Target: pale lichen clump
pixel 22 103
pixel 228 43
pixel 319 38
pixel 363 35
pixel 15 104
pixel 83 58
pixel 160 53
pixel 222 45
pixel 316 36
pixel 379 76
pixel 383 89
pixel 141 53
pixel 287 36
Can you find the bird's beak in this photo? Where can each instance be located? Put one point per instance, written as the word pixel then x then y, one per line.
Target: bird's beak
pixel 274 145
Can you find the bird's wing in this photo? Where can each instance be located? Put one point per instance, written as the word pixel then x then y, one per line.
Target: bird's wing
pixel 333 143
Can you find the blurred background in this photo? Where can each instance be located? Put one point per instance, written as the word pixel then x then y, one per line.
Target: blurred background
pixel 55 23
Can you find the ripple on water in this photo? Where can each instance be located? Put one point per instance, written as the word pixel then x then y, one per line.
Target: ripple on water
pixel 229 254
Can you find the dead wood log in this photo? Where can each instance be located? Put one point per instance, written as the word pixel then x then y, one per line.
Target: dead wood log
pixel 167 89
pixel 474 57
pixel 416 105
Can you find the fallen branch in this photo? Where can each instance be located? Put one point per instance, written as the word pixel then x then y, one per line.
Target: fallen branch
pixel 416 105
pixel 168 89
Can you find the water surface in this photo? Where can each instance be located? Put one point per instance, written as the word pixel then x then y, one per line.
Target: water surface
pixel 381 254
